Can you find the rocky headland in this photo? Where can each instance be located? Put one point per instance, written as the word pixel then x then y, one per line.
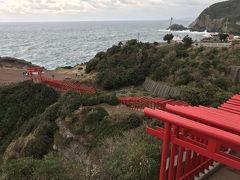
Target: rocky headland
pixel 219 17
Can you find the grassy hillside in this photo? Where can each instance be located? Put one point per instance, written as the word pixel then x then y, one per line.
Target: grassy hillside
pixel 84 136
pixel 19 105
pixel 200 72
pixel 44 136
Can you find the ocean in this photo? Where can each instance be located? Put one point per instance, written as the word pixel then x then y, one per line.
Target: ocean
pixel 56 44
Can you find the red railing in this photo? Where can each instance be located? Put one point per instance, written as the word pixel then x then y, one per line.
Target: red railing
pixel 194 138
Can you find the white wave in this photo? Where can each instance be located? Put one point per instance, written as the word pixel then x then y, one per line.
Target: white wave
pixel 184 31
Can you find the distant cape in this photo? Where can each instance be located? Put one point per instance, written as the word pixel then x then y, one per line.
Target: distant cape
pixel 177 27
pixel 219 17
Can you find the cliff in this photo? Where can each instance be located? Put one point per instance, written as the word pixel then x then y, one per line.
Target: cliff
pixel 219 17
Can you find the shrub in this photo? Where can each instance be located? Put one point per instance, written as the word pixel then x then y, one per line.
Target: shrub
pixel 91 65
pixel 168 38
pixel 19 104
pixel 19 169
pixel 134 121
pixel 160 73
pixel 181 51
pixel 133 156
pixel 187 41
pixel 199 96
pixel 42 141
pixel 132 42
pixel 223 37
pixel 221 97
pixel 51 167
pixel 183 77
pixel 222 83
pixel 93 117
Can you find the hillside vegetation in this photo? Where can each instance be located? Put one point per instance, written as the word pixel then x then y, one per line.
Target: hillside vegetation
pixel 88 136
pixel 44 136
pixel 19 105
pixel 202 73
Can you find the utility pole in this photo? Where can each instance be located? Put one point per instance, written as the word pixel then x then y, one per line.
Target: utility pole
pixel 227 26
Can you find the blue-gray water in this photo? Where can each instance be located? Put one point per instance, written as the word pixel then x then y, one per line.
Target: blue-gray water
pixel 70 43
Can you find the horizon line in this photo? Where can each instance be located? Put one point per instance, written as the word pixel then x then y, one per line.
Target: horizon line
pixel 117 20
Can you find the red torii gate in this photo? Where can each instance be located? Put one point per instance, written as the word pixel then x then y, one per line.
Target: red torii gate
pixel 35 69
pixel 58 84
pixel 139 103
pixel 197 137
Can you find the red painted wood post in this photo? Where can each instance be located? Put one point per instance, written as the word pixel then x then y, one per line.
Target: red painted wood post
pixel 165 150
pixel 39 71
pixel 180 162
pixel 31 75
pixel 188 158
pixel 172 157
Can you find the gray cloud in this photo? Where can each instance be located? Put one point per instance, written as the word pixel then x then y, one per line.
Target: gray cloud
pixel 101 9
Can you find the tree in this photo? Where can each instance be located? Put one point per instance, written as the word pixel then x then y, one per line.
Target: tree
pixel 223 37
pixel 168 38
pixel 187 41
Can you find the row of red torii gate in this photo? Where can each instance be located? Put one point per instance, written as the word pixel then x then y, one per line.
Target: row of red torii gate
pixel 195 139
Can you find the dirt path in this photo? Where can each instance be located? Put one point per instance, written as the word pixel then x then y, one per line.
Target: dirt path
pixel 11 71
pixel 8 76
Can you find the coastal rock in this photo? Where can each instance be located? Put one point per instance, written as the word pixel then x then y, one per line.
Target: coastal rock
pixel 219 17
pixel 177 27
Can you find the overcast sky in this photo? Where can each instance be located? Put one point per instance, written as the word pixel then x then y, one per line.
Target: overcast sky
pixel 84 10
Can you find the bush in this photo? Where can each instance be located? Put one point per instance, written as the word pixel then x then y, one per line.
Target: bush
pixel 110 99
pixel 168 38
pixel 223 37
pixel 50 167
pixel 19 169
pixel 187 41
pixel 19 104
pixel 199 96
pixel 183 77
pixel 133 156
pixel 221 97
pixel 222 83
pixel 133 121
pixel 92 119
pixel 160 73
pixel 42 141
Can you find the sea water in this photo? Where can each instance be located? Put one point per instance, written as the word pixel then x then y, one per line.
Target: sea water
pixel 56 44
